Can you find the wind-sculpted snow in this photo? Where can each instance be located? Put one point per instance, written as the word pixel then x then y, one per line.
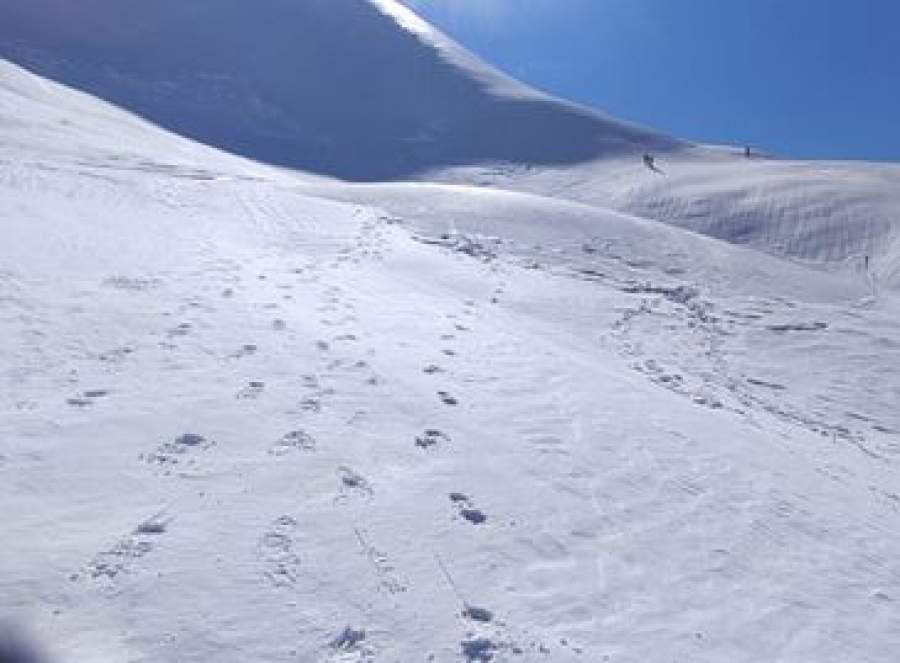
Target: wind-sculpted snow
pixel 843 215
pixel 335 87
pixel 840 216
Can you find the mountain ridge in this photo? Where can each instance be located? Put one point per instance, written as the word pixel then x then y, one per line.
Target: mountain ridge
pixel 332 87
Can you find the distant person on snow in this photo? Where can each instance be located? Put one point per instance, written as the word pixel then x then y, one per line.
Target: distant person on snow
pixel 747 152
pixel 650 163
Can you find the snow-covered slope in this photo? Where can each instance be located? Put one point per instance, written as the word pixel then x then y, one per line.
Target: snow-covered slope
pixel 332 86
pixel 257 414
pixel 42 119
pixel 832 214
pixel 838 214
pixel 364 90
pixel 245 415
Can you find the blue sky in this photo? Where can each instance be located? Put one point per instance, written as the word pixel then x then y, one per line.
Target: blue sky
pixel 803 78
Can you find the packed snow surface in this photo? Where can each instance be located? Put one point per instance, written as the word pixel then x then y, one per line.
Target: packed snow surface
pixel 559 412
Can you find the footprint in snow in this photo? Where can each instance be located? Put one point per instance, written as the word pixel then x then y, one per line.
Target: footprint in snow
pixel 108 565
pixel 492 643
pixel 179 450
pixel 296 440
pixel 477 614
pixel 311 404
pixel 432 438
pixel 347 365
pixel 116 356
pixel 87 398
pixel 245 350
pixel 351 646
pixel 275 549
pixel 353 484
pixel 348 639
pixel 447 399
pixel 474 516
pixel 182 329
pixel 479 650
pixel 252 390
pixel 467 510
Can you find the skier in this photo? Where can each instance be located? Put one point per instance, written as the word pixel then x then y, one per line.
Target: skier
pixel 747 152
pixel 649 161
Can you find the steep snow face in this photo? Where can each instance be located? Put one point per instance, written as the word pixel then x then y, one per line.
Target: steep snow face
pixel 350 88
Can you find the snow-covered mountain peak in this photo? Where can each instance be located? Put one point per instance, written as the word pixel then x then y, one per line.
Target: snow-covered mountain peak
pixel 357 89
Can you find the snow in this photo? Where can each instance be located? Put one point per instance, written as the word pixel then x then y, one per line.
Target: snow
pixel 336 87
pixel 830 214
pixel 507 414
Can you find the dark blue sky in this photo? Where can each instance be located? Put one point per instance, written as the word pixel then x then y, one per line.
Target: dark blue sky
pixel 803 78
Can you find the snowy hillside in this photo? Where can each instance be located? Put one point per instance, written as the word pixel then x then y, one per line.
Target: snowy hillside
pixel 249 413
pixel 364 90
pixel 829 214
pixel 333 86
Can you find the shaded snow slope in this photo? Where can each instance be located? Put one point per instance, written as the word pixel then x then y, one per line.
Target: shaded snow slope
pixel 351 88
pixel 41 119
